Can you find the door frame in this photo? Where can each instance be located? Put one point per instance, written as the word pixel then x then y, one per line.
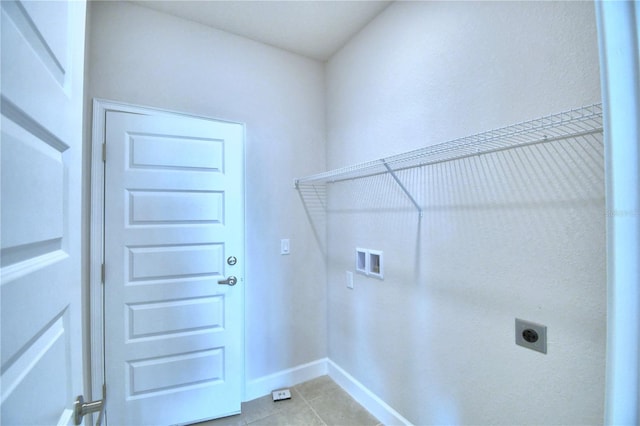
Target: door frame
pixel 96 232
pixel 618 38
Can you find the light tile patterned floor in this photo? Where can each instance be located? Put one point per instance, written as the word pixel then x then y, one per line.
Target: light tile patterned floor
pixel 319 402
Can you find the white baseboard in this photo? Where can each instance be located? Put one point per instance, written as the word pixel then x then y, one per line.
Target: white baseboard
pixel 285 378
pixel 376 406
pixel 293 376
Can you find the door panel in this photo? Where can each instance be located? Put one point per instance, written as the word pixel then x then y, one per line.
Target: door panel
pixel 173 214
pixel 40 279
pixel 164 207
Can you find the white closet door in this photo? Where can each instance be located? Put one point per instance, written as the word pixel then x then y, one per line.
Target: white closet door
pixel 42 81
pixel 173 229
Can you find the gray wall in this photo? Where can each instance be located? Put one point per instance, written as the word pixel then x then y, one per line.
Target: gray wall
pixel 515 234
pixel 143 57
pixel 519 234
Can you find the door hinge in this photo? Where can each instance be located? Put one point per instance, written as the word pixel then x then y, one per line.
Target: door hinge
pixel 102 273
pixel 104 152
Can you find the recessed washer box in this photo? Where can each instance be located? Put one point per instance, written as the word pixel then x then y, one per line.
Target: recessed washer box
pixel 376 264
pixel 362 257
pixel 370 262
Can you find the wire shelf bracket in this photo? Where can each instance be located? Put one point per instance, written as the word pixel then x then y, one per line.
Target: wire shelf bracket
pixel 404 189
pixel 575 123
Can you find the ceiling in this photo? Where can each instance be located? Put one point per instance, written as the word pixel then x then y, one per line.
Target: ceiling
pixel 316 29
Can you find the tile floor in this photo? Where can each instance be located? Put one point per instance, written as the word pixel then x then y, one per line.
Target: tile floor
pixel 319 402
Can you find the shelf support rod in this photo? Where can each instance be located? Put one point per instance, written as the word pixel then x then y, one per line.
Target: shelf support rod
pixel 404 189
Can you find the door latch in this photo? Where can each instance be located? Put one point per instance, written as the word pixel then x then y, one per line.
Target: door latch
pixel 229 281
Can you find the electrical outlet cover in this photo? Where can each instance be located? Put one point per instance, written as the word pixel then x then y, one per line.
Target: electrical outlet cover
pixel 531 335
pixel 281 395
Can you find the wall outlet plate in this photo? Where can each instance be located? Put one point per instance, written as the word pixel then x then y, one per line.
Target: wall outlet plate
pixel 349 276
pixel 281 395
pixel 531 335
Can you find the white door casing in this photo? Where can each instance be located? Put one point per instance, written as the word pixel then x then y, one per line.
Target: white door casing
pixel 40 277
pixel 618 39
pixel 174 214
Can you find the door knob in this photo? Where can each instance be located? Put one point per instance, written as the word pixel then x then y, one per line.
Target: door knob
pixel 82 408
pixel 229 281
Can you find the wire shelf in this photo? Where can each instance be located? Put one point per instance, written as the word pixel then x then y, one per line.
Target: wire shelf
pixel 574 123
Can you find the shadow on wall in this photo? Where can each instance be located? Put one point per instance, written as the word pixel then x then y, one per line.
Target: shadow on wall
pixel 534 183
pixel 505 234
pixel 314 200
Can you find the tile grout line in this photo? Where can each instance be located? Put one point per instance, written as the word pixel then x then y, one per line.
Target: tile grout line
pixel 311 407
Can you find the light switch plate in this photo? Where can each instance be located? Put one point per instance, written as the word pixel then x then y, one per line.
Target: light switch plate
pixel 285 246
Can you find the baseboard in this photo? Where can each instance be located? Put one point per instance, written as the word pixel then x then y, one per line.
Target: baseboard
pixel 285 378
pixel 293 376
pixel 376 406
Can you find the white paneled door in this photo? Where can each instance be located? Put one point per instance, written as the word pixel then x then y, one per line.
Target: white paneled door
pixel 174 255
pixel 41 156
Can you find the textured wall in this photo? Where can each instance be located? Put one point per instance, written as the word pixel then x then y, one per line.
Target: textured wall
pixel 517 234
pixel 514 234
pixel 144 57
